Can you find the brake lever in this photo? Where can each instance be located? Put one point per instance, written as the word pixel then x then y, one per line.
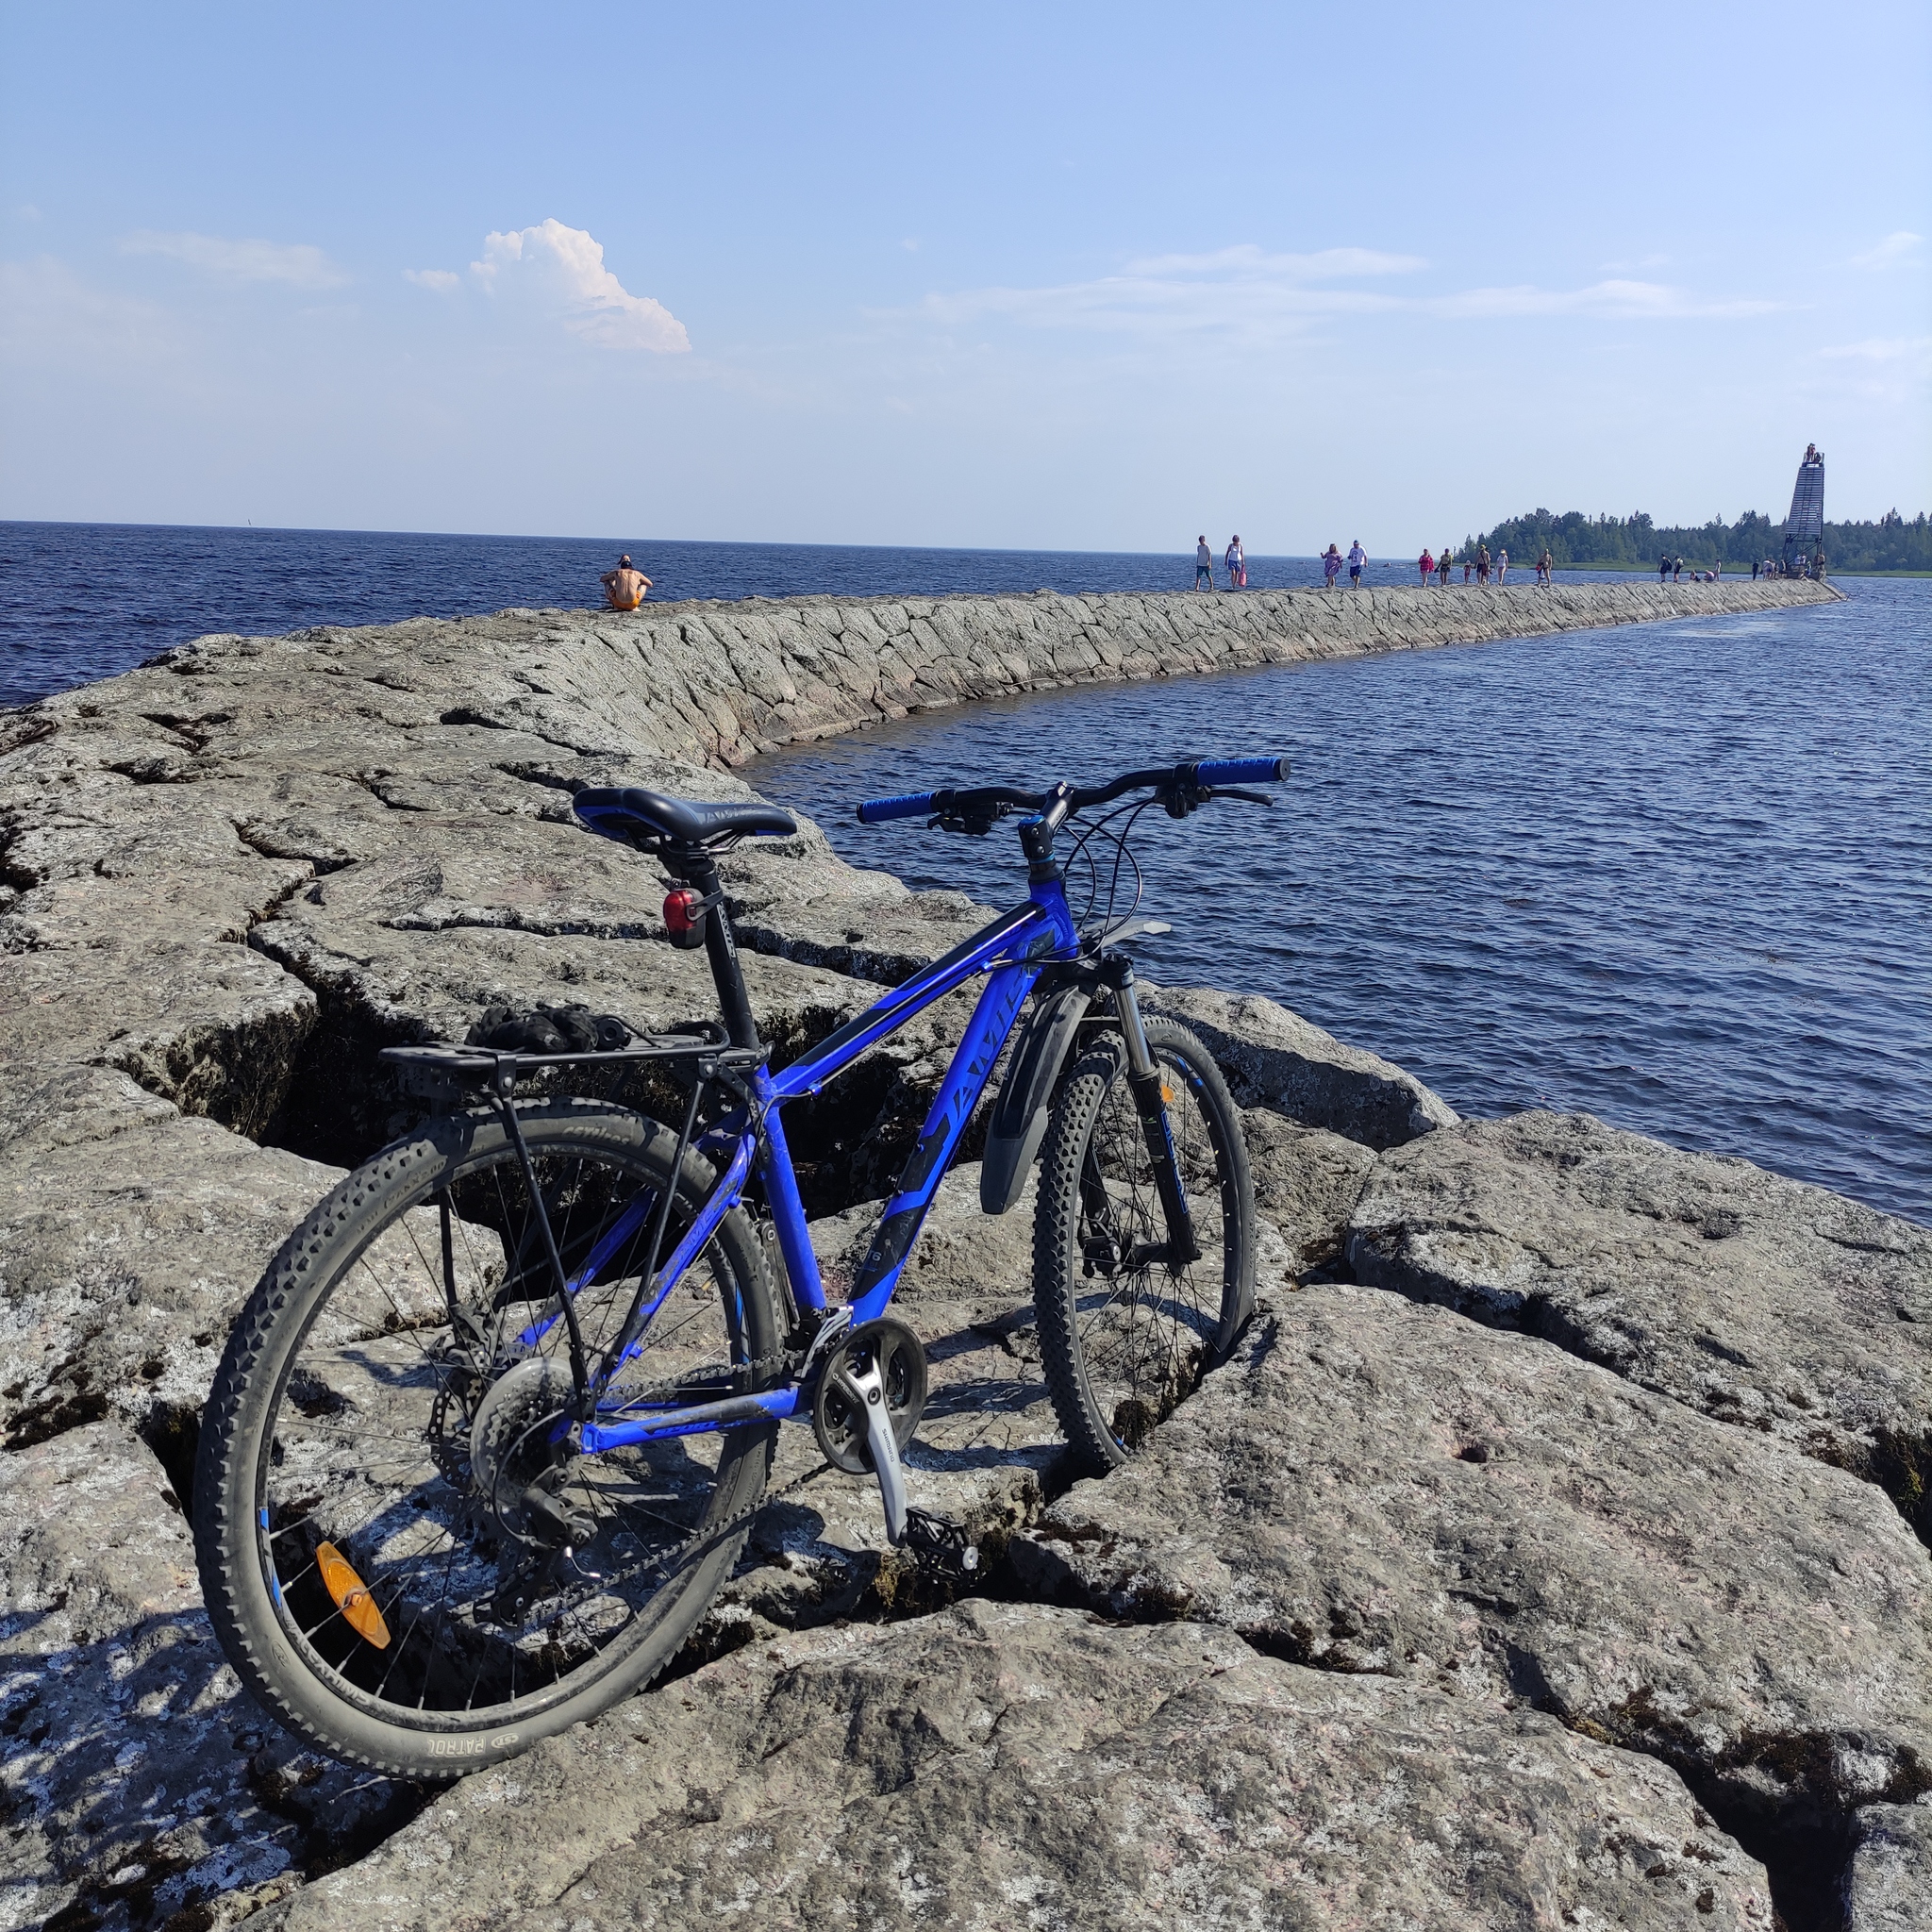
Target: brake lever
pixel 1180 802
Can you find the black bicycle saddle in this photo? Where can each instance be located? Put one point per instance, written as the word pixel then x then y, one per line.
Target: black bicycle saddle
pixel 633 816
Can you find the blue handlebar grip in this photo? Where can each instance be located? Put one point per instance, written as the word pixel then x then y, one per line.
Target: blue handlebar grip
pixel 909 805
pixel 1241 770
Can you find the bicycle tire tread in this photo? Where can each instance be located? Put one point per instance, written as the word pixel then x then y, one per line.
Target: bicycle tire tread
pixel 224 1522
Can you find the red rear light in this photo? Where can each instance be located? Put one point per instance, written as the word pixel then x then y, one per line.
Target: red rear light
pixel 683 917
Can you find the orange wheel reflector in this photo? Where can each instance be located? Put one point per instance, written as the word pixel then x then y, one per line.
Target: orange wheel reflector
pixel 1167 1096
pixel 352 1596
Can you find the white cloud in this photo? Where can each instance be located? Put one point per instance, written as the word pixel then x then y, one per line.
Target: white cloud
pixel 1249 263
pixel 1894 249
pixel 1889 358
pixel 1240 292
pixel 1612 300
pixel 1256 298
pixel 49 315
pixel 565 268
pixel 441 279
pixel 299 265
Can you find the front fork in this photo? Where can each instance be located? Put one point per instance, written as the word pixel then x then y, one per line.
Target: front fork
pixel 1147 1084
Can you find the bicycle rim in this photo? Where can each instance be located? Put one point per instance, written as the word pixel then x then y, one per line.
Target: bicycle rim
pixel 403 1480
pixel 1133 1334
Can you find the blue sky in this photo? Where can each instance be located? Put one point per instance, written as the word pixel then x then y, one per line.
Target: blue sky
pixel 1075 277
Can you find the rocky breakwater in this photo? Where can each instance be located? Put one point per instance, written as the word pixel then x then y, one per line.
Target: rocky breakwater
pixel 1546 1554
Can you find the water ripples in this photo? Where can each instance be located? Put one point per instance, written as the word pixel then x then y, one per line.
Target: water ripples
pixel 1678 875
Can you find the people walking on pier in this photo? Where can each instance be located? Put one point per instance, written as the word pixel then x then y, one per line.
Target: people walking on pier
pixel 1482 563
pixel 1331 567
pixel 1204 562
pixel 1545 564
pixel 1676 570
pixel 625 589
pixel 1448 557
pixel 1237 561
pixel 1502 567
pixel 1754 570
pixel 1357 557
pixel 1663 568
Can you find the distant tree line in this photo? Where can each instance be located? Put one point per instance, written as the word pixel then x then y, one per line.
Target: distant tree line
pixel 1635 542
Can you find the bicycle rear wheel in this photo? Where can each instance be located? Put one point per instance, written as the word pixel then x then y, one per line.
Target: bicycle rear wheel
pixel 1125 1336
pixel 398 1558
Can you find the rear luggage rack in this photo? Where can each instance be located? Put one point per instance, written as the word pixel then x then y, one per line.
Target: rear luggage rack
pixel 436 1070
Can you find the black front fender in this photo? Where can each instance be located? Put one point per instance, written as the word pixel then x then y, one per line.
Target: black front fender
pixel 1020 1115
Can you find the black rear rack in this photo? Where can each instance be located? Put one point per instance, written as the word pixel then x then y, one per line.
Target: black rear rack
pixel 434 1070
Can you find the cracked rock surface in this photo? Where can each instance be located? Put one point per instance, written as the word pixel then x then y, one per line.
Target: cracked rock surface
pixel 1377 1486
pixel 1754 1299
pixel 1889 1883
pixel 1001 1765
pixel 137 1777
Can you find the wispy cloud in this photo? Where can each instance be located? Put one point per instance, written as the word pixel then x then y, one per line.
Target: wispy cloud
pixel 564 268
pixel 1238 293
pixel 1250 297
pixel 444 280
pixel 1248 262
pixel 297 264
pixel 1883 349
pixel 1896 248
pixel 1612 300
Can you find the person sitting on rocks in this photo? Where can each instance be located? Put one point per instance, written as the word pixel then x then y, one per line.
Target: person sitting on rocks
pixel 624 587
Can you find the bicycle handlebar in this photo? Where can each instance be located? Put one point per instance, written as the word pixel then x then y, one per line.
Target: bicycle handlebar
pixel 1194 780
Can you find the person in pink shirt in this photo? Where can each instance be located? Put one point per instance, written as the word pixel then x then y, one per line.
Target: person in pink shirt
pixel 1426 564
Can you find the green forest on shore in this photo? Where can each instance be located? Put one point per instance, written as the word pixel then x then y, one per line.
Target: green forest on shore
pixel 1605 543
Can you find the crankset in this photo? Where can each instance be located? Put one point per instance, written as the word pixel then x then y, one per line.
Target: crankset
pixel 868 1400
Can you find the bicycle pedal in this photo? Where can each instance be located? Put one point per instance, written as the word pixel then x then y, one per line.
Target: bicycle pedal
pixel 939 1545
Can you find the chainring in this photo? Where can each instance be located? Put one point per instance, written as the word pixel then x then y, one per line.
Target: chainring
pixel 836 1421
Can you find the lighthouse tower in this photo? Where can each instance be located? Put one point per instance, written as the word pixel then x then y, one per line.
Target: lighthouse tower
pixel 1804 552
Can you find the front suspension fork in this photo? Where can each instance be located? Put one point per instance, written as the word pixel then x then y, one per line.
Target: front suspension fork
pixel 1146 1083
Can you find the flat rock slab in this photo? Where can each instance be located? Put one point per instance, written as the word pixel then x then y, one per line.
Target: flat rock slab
pixel 1752 1298
pixel 1275 1058
pixel 1380 1486
pixel 138 1779
pixel 995 1766
pixel 127 1245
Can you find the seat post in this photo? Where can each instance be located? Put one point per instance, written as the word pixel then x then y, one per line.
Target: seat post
pixel 697 865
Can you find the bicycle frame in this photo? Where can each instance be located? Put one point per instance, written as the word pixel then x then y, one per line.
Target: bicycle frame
pixel 1012 951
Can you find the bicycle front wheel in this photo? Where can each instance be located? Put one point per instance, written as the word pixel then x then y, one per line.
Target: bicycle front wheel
pixel 400 1552
pixel 1125 1331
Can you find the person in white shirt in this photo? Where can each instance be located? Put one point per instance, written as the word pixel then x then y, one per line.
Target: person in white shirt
pixel 1236 562
pixel 1357 557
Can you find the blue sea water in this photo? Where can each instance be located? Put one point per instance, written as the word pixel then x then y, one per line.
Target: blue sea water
pixel 1678 875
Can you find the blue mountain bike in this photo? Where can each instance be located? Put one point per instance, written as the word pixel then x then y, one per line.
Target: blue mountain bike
pixel 491 1431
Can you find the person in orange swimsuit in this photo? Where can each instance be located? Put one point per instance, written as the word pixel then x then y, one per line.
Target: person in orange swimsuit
pixel 625 589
